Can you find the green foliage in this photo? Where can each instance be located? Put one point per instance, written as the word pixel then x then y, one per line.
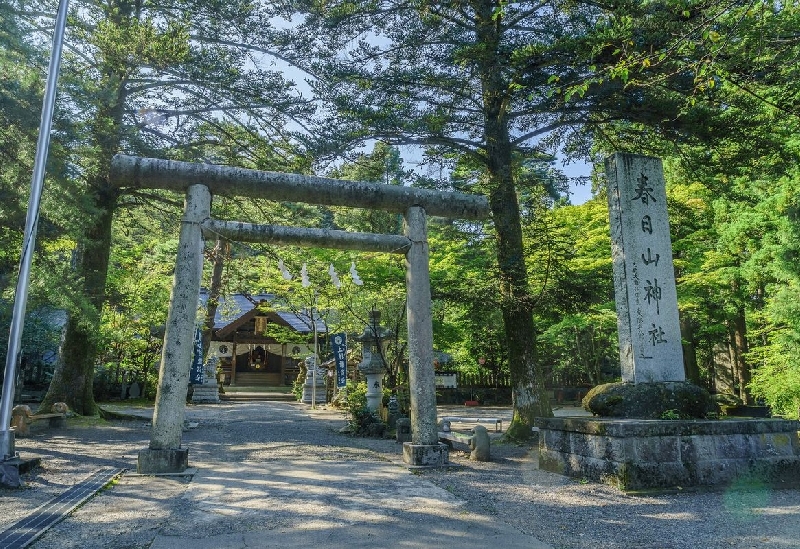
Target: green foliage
pixel 777 380
pixel 383 165
pixel 21 67
pixel 671 415
pixel 582 348
pixel 297 384
pixel 360 419
pixel 576 312
pixel 484 88
pixel 142 39
pixel 141 80
pixel 131 328
pixel 466 316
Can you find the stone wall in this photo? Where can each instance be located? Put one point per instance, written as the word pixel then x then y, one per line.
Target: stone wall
pixel 635 454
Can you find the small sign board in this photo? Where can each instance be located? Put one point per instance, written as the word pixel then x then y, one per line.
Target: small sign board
pixel 339 346
pixel 445 380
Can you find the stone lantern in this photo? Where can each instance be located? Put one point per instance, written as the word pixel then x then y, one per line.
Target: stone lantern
pixel 374 342
pixel 315 386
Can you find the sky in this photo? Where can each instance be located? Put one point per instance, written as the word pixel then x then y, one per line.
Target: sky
pixel 579 193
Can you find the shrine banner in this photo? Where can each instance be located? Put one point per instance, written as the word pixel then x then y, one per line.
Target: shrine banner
pixel 339 346
pixel 197 373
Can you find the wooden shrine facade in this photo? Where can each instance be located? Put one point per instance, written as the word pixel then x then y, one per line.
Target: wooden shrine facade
pixel 244 340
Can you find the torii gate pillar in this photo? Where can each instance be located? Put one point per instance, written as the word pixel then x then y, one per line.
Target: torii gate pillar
pixel 165 454
pixel 424 448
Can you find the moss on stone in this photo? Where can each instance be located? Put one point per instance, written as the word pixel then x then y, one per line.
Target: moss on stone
pixel 649 400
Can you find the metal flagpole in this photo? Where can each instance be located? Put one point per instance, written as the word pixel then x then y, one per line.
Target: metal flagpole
pixel 31 222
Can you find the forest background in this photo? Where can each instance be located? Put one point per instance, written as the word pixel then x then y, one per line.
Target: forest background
pixel 488 95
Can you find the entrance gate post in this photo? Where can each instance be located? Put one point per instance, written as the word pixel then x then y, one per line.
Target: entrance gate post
pixel 424 448
pixel 165 454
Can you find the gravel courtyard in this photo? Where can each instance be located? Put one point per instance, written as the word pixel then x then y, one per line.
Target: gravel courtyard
pixel 510 490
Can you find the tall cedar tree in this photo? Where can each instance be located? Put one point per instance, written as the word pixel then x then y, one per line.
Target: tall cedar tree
pixel 499 82
pixel 21 87
pixel 149 78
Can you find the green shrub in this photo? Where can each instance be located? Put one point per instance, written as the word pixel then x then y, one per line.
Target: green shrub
pixel 362 421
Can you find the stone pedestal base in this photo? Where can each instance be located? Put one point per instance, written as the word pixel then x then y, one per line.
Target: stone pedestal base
pixel 11 469
pixel 636 454
pixel 205 394
pixel 425 455
pixel 153 462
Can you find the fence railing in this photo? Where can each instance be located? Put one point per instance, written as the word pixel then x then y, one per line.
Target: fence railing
pixel 495 388
pixel 489 380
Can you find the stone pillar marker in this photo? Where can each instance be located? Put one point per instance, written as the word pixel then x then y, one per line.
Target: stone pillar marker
pixel 165 454
pixel 644 278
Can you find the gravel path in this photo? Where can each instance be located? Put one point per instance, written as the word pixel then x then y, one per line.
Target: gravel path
pixel 510 489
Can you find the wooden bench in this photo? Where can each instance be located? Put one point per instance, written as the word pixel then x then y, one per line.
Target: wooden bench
pixel 498 423
pixel 22 418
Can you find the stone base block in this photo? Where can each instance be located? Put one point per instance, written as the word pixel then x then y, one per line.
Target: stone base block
pixel 205 394
pixel 657 454
pixel 426 455
pixel 403 429
pixel 11 469
pixel 154 462
pixel 59 422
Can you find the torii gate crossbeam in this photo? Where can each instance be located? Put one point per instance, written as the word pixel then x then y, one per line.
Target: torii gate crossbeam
pixel 307 237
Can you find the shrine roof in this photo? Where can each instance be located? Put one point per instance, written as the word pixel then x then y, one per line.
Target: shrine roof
pixel 236 309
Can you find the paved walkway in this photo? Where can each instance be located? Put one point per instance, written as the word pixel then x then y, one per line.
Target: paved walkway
pixel 265 475
pixel 327 504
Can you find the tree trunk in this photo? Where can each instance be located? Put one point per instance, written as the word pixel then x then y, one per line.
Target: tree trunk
pixel 741 370
pixel 220 254
pixel 690 365
pixel 74 372
pixel 529 395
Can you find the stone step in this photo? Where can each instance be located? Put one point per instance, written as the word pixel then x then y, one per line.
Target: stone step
pixel 232 394
pixel 255 379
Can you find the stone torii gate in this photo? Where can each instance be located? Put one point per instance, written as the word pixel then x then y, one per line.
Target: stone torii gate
pixel 199 182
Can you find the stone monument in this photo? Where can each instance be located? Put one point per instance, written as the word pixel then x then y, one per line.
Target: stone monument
pixel 644 277
pixel 650 350
pixel 650 434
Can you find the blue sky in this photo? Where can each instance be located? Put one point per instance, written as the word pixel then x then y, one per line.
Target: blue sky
pixel 579 193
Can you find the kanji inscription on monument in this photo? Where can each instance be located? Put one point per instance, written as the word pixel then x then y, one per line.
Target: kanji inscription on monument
pixel 644 280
